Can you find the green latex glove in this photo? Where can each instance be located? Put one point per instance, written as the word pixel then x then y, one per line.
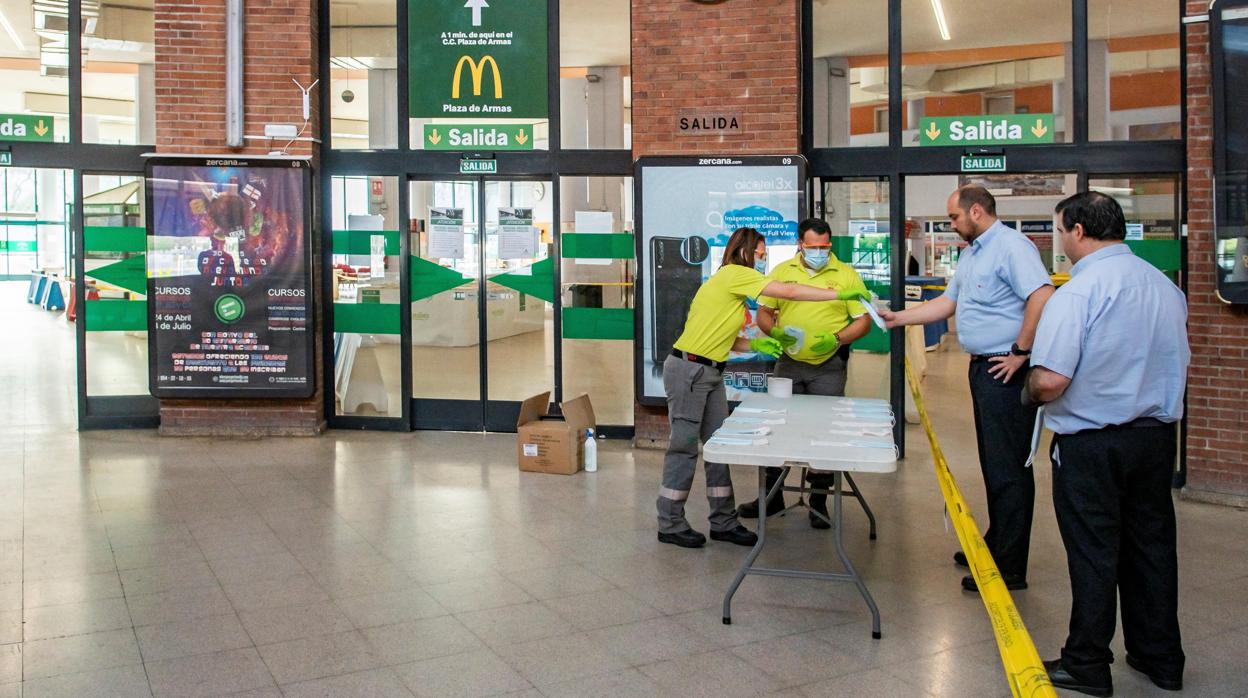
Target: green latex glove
pixel 786 340
pixel 767 345
pixel 852 294
pixel 825 343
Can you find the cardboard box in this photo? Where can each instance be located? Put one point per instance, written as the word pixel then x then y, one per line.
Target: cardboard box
pixel 553 444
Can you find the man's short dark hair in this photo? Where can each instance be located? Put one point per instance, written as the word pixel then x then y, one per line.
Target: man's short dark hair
pixel 818 226
pixel 972 194
pixel 1100 216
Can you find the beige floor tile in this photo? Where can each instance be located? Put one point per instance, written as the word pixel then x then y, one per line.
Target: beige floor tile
pixel 472 674
pixel 512 624
pixel 308 658
pixel 389 607
pixel 629 683
pixel 649 641
pixel 178 604
pixel 561 659
pixel 220 673
pixel 44 658
pixel 375 683
pixel 719 674
pixel 185 638
pixel 274 593
pixel 602 609
pixel 557 582
pixel 153 580
pixel 872 682
pixel 76 618
pixel 477 594
pixel 67 590
pixel 272 625
pixel 119 682
pixel 11 663
pixel 415 640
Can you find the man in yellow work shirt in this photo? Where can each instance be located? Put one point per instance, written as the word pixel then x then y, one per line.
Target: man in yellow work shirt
pixel 816 354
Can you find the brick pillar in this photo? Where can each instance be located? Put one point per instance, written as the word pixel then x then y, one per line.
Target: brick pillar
pixel 1217 444
pixel 740 57
pixel 280 44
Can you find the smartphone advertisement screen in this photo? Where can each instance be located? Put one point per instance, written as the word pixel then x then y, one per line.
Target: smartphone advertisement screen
pixel 229 278
pixel 689 208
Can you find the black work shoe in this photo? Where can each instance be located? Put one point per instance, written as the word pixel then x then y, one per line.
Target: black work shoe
pixel 737 536
pixel 1062 679
pixel 1160 681
pixel 686 539
pixel 959 559
pixel 749 510
pixel 816 522
pixel 1011 583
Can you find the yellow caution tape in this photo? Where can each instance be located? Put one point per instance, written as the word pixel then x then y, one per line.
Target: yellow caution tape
pixel 1023 668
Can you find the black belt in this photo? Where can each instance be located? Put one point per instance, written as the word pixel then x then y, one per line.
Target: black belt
pixel 1141 423
pixel 717 365
pixel 984 357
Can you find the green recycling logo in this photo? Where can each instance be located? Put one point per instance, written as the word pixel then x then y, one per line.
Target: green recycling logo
pixel 229 308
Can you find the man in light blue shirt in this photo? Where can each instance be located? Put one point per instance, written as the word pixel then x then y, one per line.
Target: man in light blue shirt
pixel 1110 361
pixel 998 292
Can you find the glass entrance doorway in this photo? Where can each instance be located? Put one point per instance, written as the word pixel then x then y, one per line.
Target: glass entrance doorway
pixel 482 300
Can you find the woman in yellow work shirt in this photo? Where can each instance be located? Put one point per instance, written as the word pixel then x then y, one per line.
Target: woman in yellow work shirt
pixel 697 403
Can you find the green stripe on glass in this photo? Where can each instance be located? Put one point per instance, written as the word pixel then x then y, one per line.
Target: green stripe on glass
pixel 361 241
pixel 112 315
pixel 98 238
pixel 430 278
pixel 598 323
pixel 130 274
pixel 367 318
pixel 537 280
pixel 597 246
pixel 1166 255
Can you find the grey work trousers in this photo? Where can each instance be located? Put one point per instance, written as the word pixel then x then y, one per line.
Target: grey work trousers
pixel 697 405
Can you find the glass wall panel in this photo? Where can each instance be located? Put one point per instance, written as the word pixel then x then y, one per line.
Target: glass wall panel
pixel 363 67
pixel 115 313
pixel 34 228
pixel 1150 204
pixel 118 72
pixel 367 265
pixel 596 285
pixel 963 59
pixel 850 73
pixel 34 67
pixel 446 360
pixel 1134 70
pixel 594 81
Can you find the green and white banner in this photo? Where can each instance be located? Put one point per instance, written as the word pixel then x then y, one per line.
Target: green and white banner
pixel 479 58
pixel 33 128
pixel 1007 129
pixel 478 136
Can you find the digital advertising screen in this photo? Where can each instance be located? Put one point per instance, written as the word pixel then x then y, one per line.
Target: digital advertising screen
pixel 229 278
pixel 689 208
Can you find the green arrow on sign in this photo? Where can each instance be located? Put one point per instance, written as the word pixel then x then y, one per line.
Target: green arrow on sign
pixel 430 278
pixel 33 128
pixel 537 280
pixel 129 273
pixel 1007 129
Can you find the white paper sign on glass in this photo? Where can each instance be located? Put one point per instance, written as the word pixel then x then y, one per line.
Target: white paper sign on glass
pixel 516 236
pixel 446 233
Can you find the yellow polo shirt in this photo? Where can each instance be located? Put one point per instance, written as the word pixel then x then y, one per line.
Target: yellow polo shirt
pixel 717 313
pixel 829 316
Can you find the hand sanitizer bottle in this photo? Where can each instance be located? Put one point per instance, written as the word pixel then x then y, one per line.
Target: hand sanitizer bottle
pixel 591 452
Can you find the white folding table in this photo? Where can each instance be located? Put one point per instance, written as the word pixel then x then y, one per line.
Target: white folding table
pixel 807 420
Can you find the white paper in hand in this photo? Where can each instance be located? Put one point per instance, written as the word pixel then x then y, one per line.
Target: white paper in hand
pixel 875 315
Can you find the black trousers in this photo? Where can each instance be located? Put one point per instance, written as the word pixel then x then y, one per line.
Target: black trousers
pixel 1111 493
pixel 1003 429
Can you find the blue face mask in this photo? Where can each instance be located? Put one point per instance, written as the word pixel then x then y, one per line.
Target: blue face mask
pixel 760 266
pixel 816 259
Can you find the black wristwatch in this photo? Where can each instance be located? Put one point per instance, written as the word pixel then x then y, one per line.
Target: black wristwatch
pixel 1016 351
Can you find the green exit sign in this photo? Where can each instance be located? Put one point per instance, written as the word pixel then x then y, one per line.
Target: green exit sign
pixel 983 163
pixel 32 128
pixel 1007 129
pixel 478 137
pixel 478 167
pixel 6 158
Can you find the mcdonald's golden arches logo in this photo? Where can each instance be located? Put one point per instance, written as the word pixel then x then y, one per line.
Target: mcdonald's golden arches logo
pixel 477 69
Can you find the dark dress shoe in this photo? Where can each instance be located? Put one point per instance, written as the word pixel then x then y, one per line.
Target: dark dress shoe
pixel 816 522
pixel 1063 679
pixel 737 536
pixel 1159 680
pixel 749 510
pixel 959 559
pixel 1011 583
pixel 686 539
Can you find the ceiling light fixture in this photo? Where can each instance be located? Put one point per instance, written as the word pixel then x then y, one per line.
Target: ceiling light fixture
pixel 939 10
pixel 8 28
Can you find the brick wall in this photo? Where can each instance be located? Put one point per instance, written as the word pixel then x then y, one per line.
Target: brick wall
pixel 280 44
pixel 1217 455
pixel 739 57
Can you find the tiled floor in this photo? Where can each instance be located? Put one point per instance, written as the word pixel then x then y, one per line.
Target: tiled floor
pixel 425 564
